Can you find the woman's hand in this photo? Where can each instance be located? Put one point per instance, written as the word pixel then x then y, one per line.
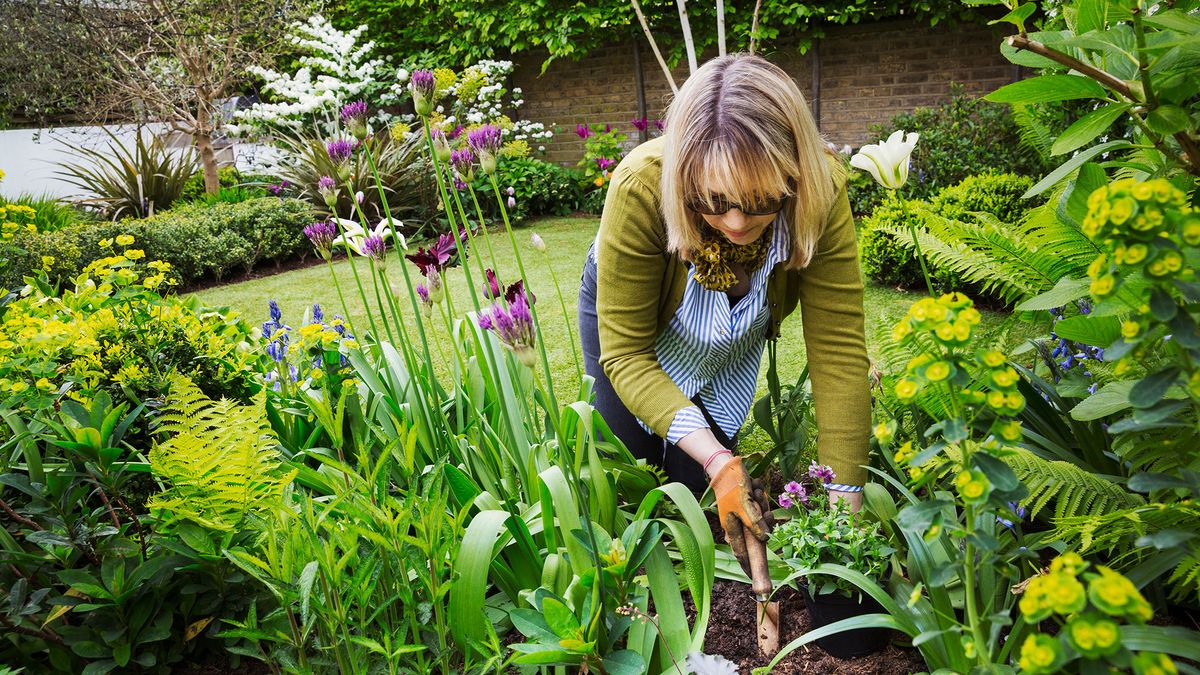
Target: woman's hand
pixel 741 505
pixel 853 499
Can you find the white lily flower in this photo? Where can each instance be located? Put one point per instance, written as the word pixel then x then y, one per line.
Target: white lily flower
pixel 887 162
pixel 355 234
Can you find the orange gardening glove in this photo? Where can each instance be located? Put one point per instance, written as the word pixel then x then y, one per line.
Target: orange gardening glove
pixel 741 503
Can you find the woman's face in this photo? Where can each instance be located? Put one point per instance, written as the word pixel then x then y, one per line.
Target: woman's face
pixel 738 227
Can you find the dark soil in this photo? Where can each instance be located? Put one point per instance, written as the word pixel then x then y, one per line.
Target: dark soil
pixel 732 633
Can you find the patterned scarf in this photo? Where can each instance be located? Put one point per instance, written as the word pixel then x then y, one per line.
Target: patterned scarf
pixel 716 253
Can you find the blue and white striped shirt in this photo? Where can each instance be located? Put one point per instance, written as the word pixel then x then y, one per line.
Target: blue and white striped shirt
pixel 715 349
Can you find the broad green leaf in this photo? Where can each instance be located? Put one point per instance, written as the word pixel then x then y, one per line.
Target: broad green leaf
pixel 1017 16
pixel 1168 119
pixel 1070 165
pixel 1112 398
pixel 624 662
pixel 1098 331
pixel 474 559
pixel 307 577
pixel 1047 88
pixel 664 589
pixel 1090 15
pixel 1088 127
pixel 532 625
pixel 1065 291
pixel 998 473
pixel 1149 390
pixel 1174 19
pixel 560 618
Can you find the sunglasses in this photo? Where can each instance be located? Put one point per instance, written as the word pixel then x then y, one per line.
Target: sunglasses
pixel 719 206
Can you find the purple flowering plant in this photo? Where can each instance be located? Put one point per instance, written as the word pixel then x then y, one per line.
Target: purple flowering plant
pixel 818 532
pixel 602 151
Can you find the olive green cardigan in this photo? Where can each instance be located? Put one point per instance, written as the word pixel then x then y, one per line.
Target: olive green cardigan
pixel 640 285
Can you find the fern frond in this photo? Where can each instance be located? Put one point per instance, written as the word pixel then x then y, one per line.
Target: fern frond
pixel 1160 450
pixel 220 461
pixel 1116 533
pixel 1033 132
pixel 1073 491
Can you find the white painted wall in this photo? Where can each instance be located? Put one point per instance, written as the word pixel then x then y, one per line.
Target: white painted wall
pixel 30 157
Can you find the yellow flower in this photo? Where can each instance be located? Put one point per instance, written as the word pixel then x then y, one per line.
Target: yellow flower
pixel 1115 595
pixel 1142 192
pixel 1103 286
pixel 938 371
pixel 906 390
pixel 1136 253
pixel 1098 196
pixel 901 331
pixel 599 181
pixel 19 387
pixel 955 300
pixel 1122 210
pixel 993 359
pixel 1130 329
pixel 135 254
pixel 1150 663
pixel 1191 231
pixel 443 79
pixel 1011 431
pixel 124 239
pixel 1097 266
pixel 1005 378
pixel 44 384
pixel 970 315
pixel 883 432
pixel 1069 563
pixel 399 130
pixel 105 243
pixel 995 399
pixel 904 453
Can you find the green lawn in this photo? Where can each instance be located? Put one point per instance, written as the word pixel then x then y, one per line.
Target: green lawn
pixel 567 241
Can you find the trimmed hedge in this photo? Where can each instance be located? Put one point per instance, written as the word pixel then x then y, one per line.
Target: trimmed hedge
pixel 201 242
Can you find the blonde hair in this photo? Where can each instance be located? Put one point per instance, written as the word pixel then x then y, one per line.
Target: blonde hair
pixel 740 128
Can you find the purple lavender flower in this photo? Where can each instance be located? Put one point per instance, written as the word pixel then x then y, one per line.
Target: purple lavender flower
pixel 374 247
pixel 354 116
pixel 820 473
pixel 422 86
pixel 322 234
pixel 640 123
pixel 463 162
pixel 583 131
pixel 485 141
pixel 340 150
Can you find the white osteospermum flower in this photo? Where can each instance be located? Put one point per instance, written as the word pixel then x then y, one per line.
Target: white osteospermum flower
pixel 887 162
pixel 706 664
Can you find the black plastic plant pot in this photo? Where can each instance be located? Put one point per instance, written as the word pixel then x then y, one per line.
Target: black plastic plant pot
pixel 833 607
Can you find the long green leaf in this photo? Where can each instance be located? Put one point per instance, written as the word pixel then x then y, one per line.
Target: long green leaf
pixel 467 594
pixel 1047 88
pixel 1070 165
pixel 853 623
pixel 1088 127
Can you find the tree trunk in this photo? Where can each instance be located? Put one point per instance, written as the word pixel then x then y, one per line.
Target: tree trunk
pixel 208 159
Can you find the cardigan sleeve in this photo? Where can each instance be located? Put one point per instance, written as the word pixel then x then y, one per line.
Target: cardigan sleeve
pixel 831 310
pixel 631 262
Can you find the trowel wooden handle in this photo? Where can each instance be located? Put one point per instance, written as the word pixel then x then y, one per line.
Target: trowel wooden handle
pixel 756 551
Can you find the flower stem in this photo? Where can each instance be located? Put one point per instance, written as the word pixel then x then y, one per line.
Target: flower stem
pixel 912 228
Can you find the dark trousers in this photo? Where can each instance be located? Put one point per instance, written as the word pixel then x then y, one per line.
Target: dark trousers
pixel 676 463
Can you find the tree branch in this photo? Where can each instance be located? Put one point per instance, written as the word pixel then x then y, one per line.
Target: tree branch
pixel 654 46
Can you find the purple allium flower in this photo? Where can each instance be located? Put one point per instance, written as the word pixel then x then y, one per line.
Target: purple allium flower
pixel 426 301
pixel 318 315
pixel 786 501
pixel 640 123
pixel 513 326
pixel 491 287
pixel 354 116
pixel 463 162
pixel 485 141
pixel 458 130
pixel 322 234
pixel 422 86
pixel 374 247
pixel 459 184
pixel 441 146
pixel 820 473
pixel 325 183
pixel 276 313
pixel 340 150
pixel 423 292
pixel 537 241
pixel 583 131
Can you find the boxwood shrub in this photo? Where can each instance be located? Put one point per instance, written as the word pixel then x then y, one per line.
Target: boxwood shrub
pixel 201 242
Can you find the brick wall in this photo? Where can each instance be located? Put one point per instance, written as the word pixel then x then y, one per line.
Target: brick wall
pixel 867 74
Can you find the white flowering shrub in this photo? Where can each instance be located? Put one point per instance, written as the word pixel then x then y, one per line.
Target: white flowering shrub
pixel 336 69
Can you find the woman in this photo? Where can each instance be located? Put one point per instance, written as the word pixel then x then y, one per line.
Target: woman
pixel 710 236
